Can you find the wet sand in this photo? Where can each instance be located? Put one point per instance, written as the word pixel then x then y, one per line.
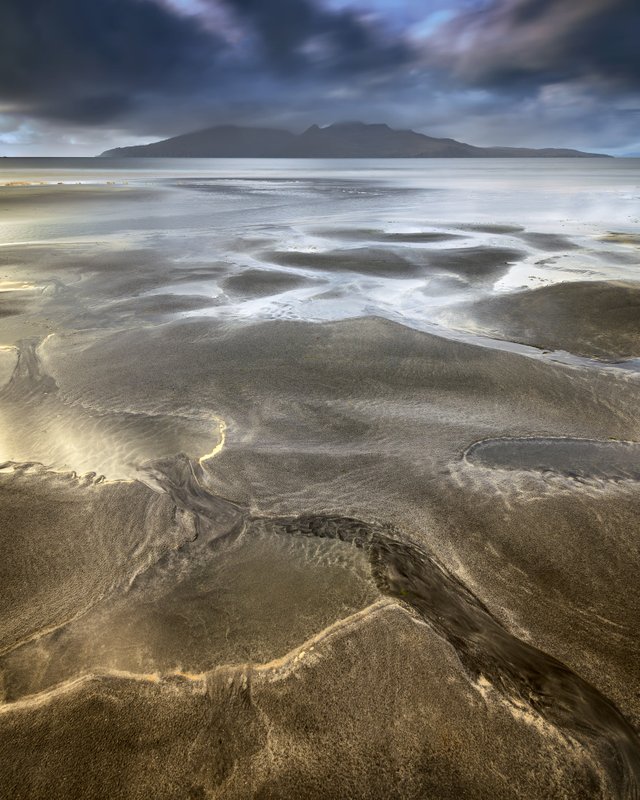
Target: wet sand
pixel 299 500
pixel 574 458
pixel 596 319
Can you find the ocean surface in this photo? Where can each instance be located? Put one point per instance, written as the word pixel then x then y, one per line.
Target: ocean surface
pixel 319 479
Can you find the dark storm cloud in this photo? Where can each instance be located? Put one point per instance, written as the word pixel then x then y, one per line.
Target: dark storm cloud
pixel 300 33
pixel 510 43
pixel 95 62
pixel 89 61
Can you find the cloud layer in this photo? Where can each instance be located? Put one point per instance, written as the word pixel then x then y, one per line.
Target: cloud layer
pixel 537 42
pixel 484 70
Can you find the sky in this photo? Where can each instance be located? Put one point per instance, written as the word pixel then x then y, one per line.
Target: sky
pixel 80 76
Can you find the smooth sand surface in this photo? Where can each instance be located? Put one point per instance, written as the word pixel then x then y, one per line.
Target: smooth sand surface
pixel 595 319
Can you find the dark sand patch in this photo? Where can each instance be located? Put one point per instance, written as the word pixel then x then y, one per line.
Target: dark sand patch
pixel 491 228
pixel 365 260
pixel 49 198
pixel 576 458
pixel 159 305
pixel 477 264
pixel 549 242
pixel 12 306
pixel 10 309
pixel 189 273
pixel 21 312
pixel 249 244
pixel 595 319
pixel 93 269
pixel 261 283
pixel 375 235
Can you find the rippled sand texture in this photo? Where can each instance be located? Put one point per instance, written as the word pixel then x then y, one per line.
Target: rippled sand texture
pixel 319 480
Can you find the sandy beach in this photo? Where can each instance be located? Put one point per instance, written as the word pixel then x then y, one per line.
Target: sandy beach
pixel 319 480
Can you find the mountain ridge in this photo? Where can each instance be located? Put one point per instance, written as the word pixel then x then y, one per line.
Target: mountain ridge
pixel 340 140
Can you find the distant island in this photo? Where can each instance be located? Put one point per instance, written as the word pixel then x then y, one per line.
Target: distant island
pixel 341 140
